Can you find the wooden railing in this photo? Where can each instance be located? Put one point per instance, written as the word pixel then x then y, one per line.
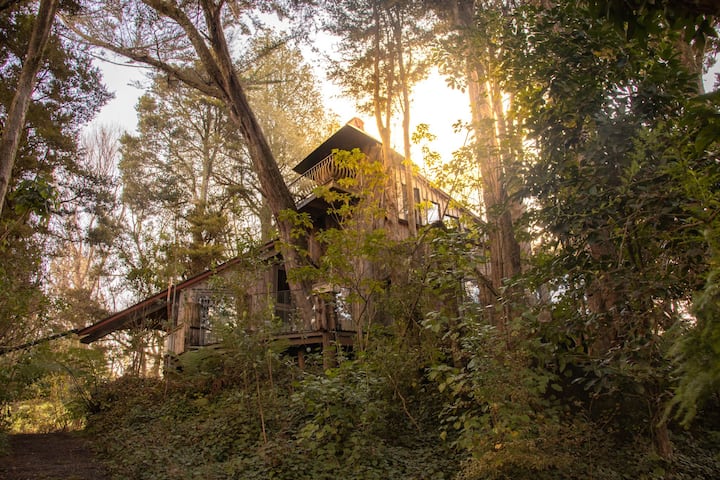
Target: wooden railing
pixel 322 173
pixel 290 321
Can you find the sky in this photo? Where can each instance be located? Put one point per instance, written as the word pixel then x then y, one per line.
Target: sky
pixel 434 103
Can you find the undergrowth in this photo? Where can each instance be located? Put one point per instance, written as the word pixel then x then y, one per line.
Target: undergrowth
pixel 272 421
pixel 401 409
pixel 360 420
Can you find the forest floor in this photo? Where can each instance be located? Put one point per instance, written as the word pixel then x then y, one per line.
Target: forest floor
pixel 50 456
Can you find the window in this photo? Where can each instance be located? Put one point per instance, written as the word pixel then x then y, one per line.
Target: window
pixel 433 212
pixel 201 327
pixel 207 337
pixel 283 300
pixel 282 290
pixel 205 303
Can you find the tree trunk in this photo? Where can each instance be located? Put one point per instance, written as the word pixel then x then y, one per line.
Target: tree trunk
pixel 382 109
pixel 405 99
pixel 503 246
pixel 265 216
pixel 271 181
pixel 21 101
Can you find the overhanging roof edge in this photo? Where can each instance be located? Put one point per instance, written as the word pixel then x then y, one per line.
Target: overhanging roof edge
pixel 119 320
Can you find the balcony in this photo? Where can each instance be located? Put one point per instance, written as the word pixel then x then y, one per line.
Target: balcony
pixel 323 173
pixel 336 316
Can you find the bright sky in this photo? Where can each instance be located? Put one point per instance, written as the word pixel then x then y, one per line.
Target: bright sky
pixel 433 103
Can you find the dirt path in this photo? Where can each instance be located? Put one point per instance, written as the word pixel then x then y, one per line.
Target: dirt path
pixel 50 456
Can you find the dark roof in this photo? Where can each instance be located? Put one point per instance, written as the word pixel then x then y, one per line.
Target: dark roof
pixel 154 308
pixel 346 138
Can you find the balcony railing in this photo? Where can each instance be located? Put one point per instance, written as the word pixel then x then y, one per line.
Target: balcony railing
pixel 322 173
pixel 290 321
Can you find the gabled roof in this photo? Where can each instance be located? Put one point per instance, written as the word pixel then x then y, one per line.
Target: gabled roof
pixel 346 138
pixel 154 308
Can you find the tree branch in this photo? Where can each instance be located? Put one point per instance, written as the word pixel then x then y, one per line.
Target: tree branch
pixel 207 59
pixel 186 76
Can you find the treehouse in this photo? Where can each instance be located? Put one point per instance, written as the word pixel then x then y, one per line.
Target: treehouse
pixel 255 292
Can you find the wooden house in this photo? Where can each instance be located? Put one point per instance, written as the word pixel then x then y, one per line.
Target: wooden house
pixel 186 310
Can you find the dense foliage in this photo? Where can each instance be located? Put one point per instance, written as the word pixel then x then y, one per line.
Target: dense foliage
pixel 47 178
pixel 50 184
pixel 436 395
pixel 249 413
pixel 623 216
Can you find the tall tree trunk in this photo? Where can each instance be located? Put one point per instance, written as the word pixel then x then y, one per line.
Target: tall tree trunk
pixel 21 101
pixel 265 217
pixel 199 256
pixel 503 245
pixel 603 299
pixel 382 109
pixel 272 183
pixel 405 99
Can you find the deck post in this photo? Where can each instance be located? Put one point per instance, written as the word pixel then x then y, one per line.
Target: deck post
pixel 301 359
pixel 328 351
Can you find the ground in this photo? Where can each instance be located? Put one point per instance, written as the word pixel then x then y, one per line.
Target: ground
pixel 50 456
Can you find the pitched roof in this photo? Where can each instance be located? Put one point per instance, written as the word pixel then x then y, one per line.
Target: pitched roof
pixel 346 138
